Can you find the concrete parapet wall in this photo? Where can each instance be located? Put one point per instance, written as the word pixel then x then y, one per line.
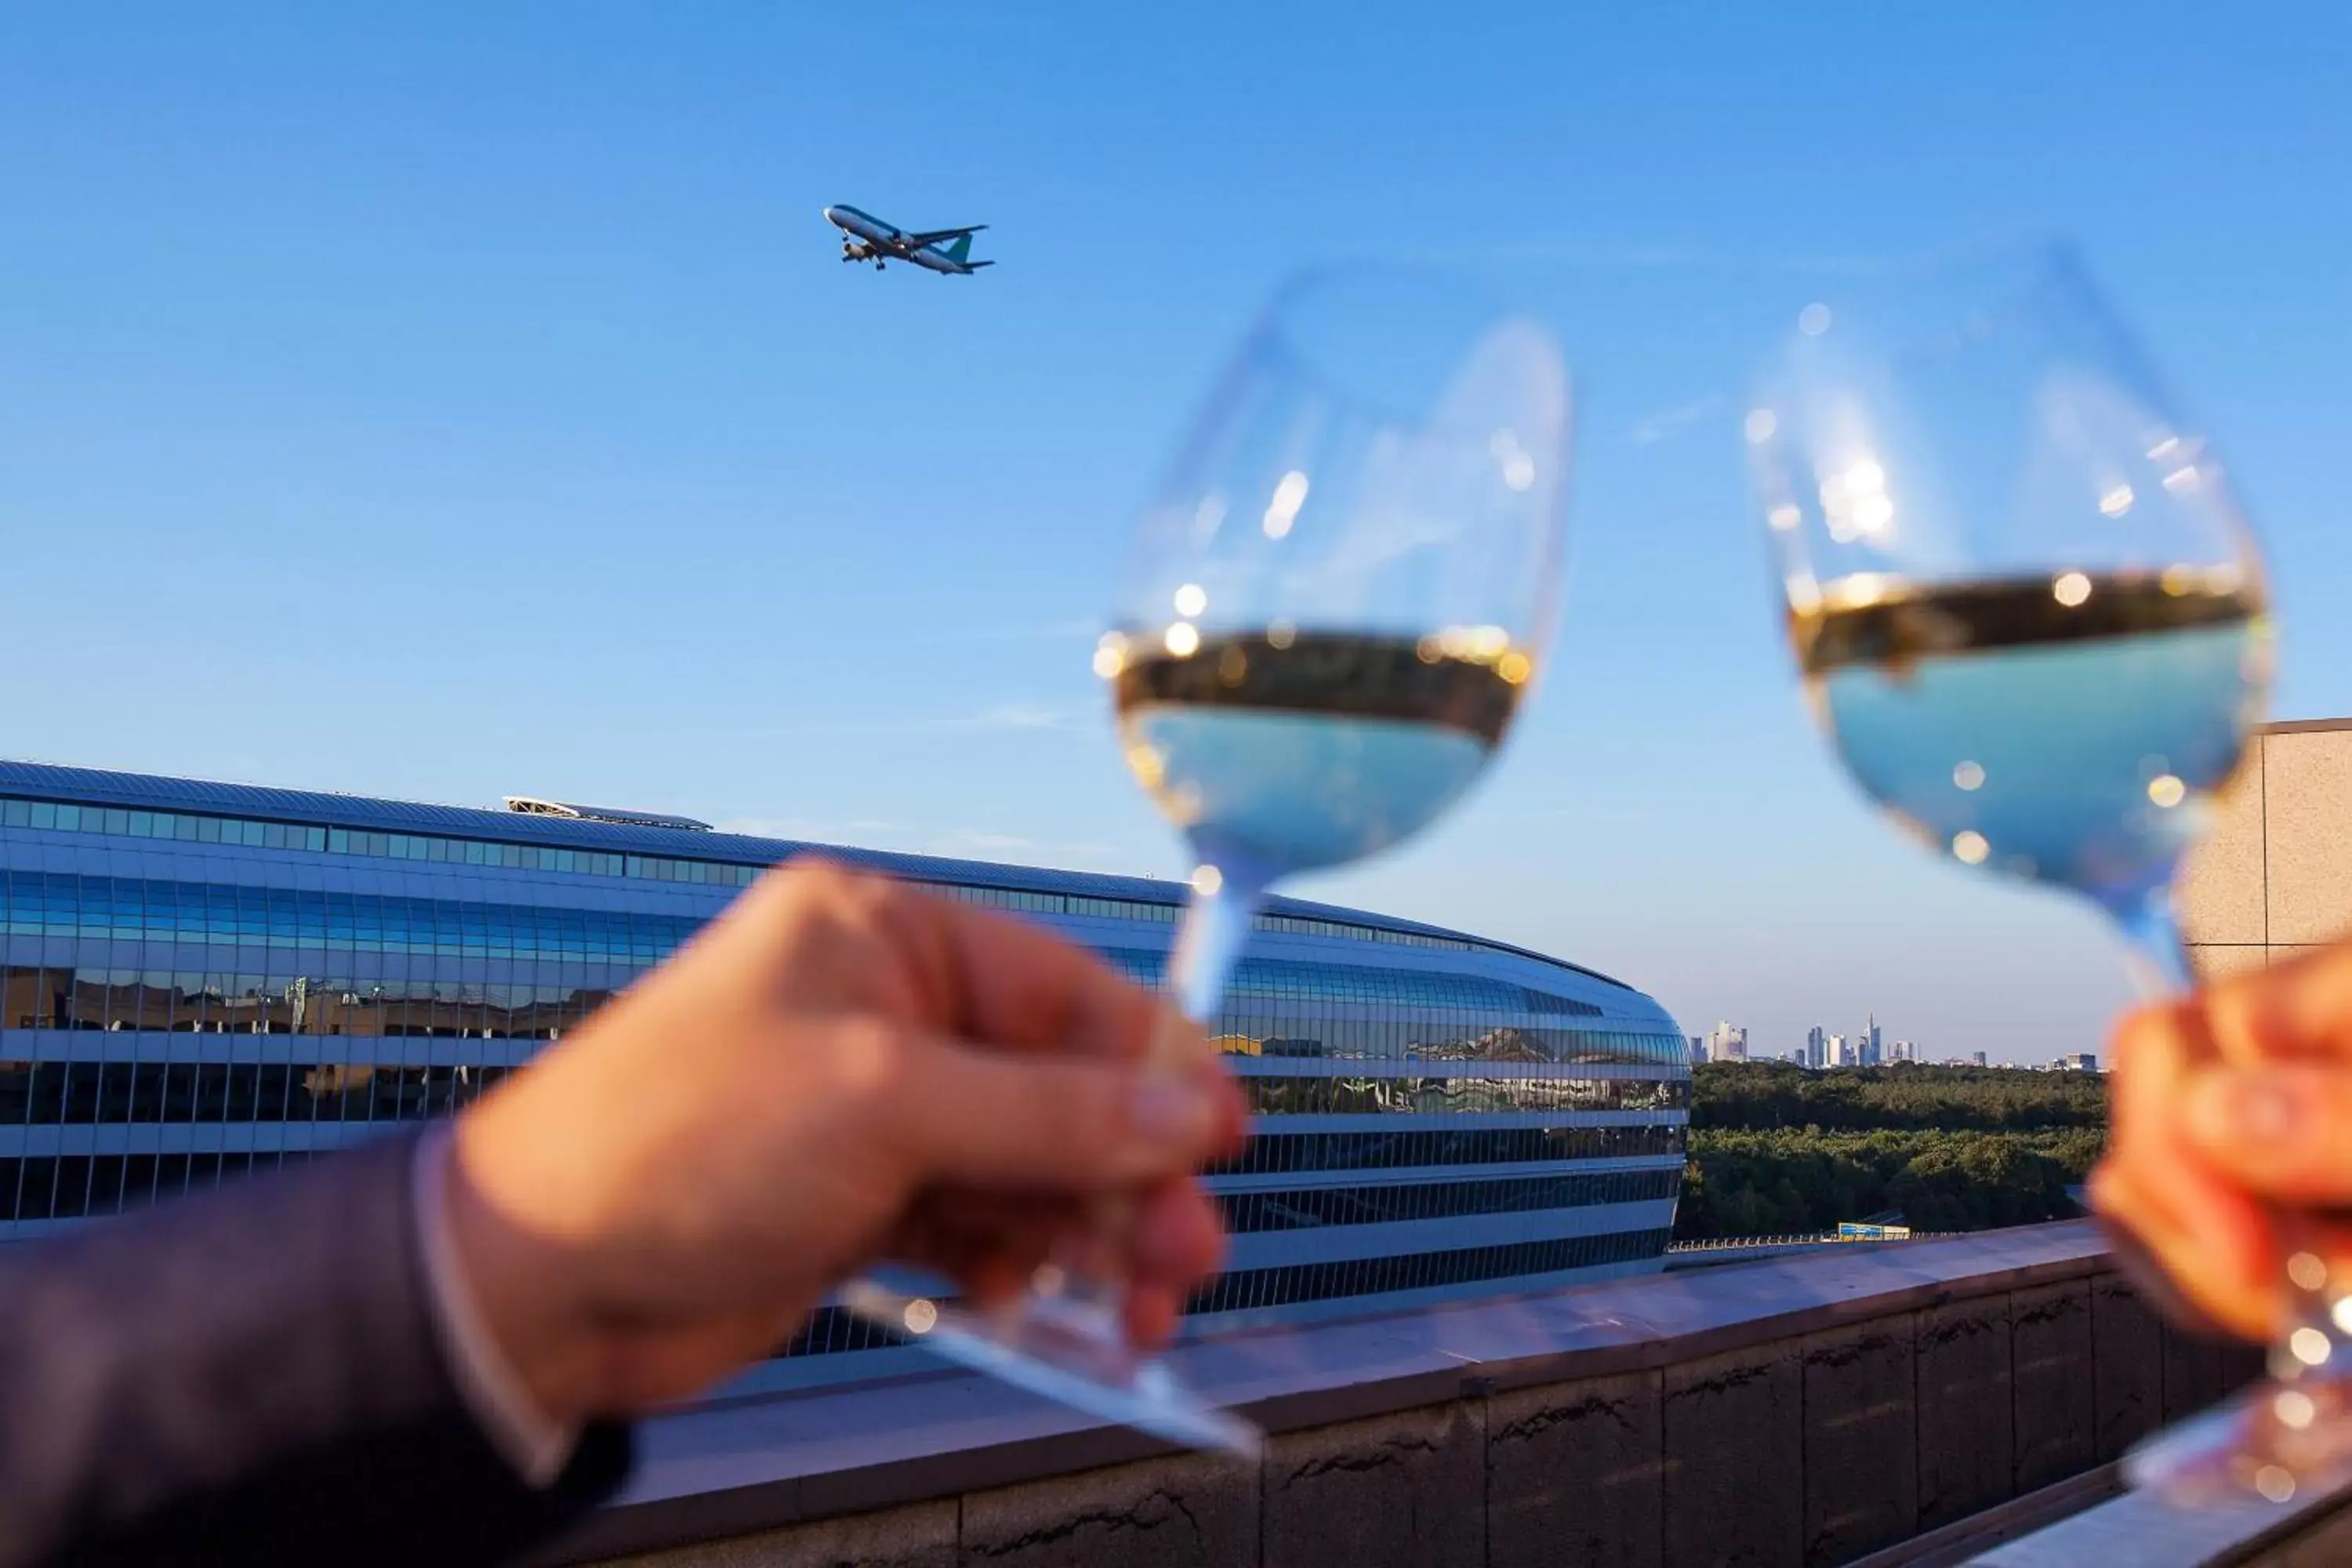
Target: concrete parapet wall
pixel 1785 1413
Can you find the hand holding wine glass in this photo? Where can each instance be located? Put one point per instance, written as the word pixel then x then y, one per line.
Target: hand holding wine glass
pixel 2232 1113
pixel 1334 606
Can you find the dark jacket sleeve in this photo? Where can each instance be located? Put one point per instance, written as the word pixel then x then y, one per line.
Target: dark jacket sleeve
pixel 254 1377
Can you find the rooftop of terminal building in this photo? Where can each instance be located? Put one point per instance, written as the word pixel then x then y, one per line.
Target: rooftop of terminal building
pixel 622 842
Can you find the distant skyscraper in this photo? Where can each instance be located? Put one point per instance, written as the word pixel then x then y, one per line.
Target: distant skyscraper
pixel 1837 1052
pixel 1903 1051
pixel 1866 1044
pixel 1977 1058
pixel 1727 1043
pixel 1817 1048
pixel 1698 1049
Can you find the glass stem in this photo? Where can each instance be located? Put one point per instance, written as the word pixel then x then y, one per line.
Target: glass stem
pixel 2159 960
pixel 1216 927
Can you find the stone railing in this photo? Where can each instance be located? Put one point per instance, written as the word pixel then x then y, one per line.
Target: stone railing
pixel 2147 1531
pixel 1810 1408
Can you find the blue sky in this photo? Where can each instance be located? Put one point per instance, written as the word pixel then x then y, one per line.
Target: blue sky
pixel 446 400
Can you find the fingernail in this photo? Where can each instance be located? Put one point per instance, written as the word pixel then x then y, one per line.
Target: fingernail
pixel 2231 1108
pixel 1170 1110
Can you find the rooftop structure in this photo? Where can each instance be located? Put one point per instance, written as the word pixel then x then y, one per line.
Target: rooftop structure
pixel 202 978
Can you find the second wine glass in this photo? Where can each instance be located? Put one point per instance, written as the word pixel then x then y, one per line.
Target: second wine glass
pixel 2031 619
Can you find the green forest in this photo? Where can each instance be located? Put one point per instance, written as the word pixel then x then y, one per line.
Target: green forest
pixel 1779 1150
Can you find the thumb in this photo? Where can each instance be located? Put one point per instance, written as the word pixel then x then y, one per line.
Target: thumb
pixel 990 1118
pixel 2281 1131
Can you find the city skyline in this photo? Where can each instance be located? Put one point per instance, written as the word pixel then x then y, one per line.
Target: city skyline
pixel 521 397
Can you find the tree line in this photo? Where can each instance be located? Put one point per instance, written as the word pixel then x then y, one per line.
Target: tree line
pixel 1776 1149
pixel 1752 1097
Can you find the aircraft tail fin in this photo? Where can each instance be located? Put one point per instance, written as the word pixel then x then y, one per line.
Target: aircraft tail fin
pixel 961 249
pixel 976 265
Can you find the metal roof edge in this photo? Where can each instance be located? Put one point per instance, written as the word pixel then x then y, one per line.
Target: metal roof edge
pixel 161 792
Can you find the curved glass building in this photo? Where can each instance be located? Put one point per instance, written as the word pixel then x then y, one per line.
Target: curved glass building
pixel 201 978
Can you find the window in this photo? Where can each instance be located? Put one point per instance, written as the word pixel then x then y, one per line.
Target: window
pixel 831 1330
pixel 1272 1096
pixel 1276 1152
pixel 1419 1271
pixel 74 1187
pixel 1314 1207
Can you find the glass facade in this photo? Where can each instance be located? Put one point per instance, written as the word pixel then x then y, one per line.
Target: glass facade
pixel 199 979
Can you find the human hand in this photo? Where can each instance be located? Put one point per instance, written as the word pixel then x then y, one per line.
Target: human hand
pixel 838 1069
pixel 2227 1107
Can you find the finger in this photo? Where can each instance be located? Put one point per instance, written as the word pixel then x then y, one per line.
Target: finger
pixel 2157 1051
pixel 1174 1239
pixel 1054 1124
pixel 2301 1008
pixel 2222 1265
pixel 2198 1220
pixel 991 977
pixel 2280 1130
pixel 1232 1108
pixel 1177 1244
pixel 2154 1049
pixel 957 1229
pixel 1149 1313
pixel 2139 1264
pixel 2211 1238
pixel 961 970
pixel 1179 1236
pixel 996 1275
pixel 995 980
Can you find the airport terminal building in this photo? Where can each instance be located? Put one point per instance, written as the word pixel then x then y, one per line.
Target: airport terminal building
pixel 202 978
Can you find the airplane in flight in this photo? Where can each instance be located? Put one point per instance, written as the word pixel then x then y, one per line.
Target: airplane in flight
pixel 865 238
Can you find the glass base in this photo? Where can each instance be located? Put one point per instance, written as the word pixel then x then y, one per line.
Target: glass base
pixel 2277 1441
pixel 1065 1349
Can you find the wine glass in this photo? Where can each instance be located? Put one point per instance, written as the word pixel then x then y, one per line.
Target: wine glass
pixel 2031 619
pixel 1334 605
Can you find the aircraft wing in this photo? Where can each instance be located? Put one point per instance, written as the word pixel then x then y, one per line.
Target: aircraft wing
pixel 934 236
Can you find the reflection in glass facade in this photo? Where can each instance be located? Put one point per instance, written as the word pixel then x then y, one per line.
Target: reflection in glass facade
pixel 203 979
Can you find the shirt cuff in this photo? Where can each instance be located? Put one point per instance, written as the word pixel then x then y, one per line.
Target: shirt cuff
pixel 536 1444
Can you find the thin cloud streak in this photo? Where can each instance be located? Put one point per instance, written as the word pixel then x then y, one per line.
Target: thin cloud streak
pixel 1618 815
pixel 1072 630
pixel 1653 428
pixel 808 830
pixel 1010 716
pixel 1651 257
pixel 955 843
pixel 1641 258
